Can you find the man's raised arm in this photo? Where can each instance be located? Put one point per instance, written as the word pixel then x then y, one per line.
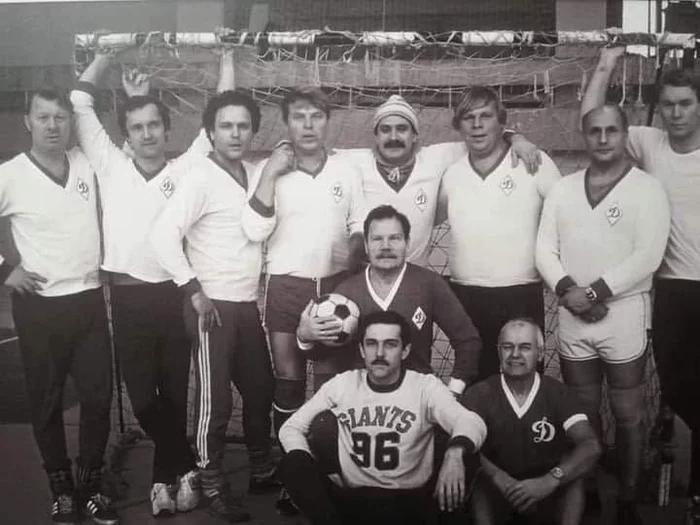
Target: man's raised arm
pixel 594 95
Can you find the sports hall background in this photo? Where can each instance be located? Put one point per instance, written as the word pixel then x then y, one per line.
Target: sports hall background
pixel 36 48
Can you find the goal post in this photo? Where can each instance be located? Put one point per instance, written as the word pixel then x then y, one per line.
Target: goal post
pixel 539 75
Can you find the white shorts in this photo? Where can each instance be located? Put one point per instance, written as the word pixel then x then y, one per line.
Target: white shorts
pixel 620 337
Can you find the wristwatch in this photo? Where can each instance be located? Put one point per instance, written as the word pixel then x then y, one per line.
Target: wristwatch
pixel 556 473
pixel 591 294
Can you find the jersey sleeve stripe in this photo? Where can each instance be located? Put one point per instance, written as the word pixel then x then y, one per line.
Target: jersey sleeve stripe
pixel 573 420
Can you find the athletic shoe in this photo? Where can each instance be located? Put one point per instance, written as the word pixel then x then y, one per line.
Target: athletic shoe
pixel 64 510
pixel 162 502
pixel 227 507
pixel 188 491
pixel 693 512
pixel 99 508
pixel 627 513
pixel 285 506
pixel 264 484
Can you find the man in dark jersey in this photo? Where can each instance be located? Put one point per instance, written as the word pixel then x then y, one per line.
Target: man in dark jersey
pixel 390 283
pixel 539 442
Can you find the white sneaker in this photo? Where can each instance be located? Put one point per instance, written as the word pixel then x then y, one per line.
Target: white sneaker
pixel 162 500
pixel 188 492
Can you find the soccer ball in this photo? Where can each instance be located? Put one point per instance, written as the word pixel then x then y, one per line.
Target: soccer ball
pixel 346 311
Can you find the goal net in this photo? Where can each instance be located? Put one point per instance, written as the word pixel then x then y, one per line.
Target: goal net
pixel 540 77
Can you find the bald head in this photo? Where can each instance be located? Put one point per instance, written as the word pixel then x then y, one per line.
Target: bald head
pixel 607 109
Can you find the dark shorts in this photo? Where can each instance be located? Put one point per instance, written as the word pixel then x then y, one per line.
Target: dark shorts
pixel 286 297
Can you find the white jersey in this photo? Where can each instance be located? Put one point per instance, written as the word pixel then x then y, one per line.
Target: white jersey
pixel 386 438
pixel 680 175
pixel 316 214
pixel 131 200
pixel 224 233
pixel 417 198
pixel 494 219
pixel 620 240
pixel 55 227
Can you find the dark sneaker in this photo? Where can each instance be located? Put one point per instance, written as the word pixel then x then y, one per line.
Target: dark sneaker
pixel 264 484
pixel 285 506
pixel 627 514
pixel 64 510
pixel 99 508
pixel 227 507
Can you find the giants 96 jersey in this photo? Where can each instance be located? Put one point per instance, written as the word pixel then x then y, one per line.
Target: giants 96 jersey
pixel 385 436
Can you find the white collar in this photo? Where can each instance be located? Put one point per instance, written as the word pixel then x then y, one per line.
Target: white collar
pixel 384 304
pixel 520 411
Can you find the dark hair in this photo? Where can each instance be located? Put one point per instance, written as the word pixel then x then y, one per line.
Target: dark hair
pixel 313 96
pixel 231 98
pixel 385 317
pixel 138 102
pixel 620 113
pixel 52 94
pixel 477 97
pixel 681 78
pixel 386 211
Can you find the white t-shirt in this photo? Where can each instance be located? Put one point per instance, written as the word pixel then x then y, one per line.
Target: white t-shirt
pixel 621 239
pixel 417 198
pixel 385 438
pixel 54 227
pixel 224 234
pixel 130 201
pixel 493 220
pixel 316 214
pixel 680 175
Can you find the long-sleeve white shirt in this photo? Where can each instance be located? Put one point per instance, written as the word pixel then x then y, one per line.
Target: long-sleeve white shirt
pixel 621 240
pixel 55 227
pixel 417 198
pixel 316 215
pixel 223 233
pixel 385 438
pixel 130 201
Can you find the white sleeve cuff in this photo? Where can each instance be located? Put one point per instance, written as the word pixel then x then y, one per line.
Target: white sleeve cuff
pixel 304 346
pixel 573 420
pixel 456 386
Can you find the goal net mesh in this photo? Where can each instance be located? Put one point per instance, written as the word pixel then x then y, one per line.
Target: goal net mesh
pixel 540 77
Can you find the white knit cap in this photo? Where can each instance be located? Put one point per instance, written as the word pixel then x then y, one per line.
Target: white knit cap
pixel 396 105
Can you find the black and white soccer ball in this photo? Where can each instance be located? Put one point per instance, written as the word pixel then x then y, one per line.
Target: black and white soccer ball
pixel 343 309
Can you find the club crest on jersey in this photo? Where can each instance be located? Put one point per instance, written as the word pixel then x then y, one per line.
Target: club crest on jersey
pixel 83 189
pixel 421 200
pixel 613 213
pixel 167 187
pixel 507 185
pixel 544 431
pixel 419 318
pixel 337 192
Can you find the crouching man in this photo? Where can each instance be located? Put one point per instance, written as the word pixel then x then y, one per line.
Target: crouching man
pixel 362 449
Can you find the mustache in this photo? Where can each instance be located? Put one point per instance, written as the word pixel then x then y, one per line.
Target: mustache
pixel 394 144
pixel 380 362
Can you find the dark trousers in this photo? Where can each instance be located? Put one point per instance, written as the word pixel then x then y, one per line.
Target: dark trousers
pixel 154 352
pixel 676 317
pixel 60 336
pixel 490 308
pixel 234 352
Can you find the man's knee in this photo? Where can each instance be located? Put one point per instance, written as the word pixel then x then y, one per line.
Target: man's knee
pixel 323 441
pixel 289 394
pixel 627 405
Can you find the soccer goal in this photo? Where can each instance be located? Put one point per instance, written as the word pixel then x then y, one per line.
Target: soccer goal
pixel 540 77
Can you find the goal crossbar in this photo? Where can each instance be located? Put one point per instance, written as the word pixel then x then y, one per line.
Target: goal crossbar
pixel 321 38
